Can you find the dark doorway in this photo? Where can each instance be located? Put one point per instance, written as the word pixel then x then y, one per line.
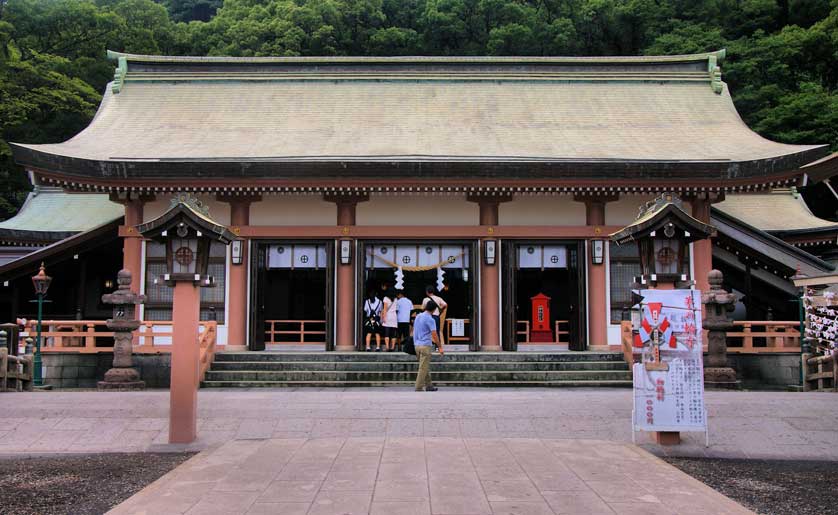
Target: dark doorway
pixel 458 280
pixel 532 271
pixel 291 296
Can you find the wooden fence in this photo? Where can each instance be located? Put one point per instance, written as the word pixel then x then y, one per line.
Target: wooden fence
pixel 90 336
pixel 295 332
pixel 561 332
pixel 15 372
pixel 821 373
pixel 753 337
pixel 749 337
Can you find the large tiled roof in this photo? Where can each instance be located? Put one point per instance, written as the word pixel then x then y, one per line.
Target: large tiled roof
pixel 781 210
pixel 49 214
pixel 249 115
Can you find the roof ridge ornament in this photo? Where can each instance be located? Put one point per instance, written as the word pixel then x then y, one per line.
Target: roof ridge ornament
pixel 119 74
pixel 715 71
pixel 192 201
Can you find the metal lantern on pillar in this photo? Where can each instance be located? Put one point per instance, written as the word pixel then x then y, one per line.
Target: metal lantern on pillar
pixel 187 231
pixel 663 232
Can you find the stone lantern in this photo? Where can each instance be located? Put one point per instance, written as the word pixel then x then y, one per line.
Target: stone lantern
pixel 663 232
pixel 718 305
pixel 123 324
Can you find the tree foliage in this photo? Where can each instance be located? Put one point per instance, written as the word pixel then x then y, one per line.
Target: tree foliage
pixel 780 66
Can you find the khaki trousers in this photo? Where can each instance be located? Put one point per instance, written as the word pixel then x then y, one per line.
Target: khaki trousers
pixel 423 378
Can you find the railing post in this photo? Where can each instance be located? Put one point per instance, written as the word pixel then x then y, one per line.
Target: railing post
pixel 90 339
pixel 747 339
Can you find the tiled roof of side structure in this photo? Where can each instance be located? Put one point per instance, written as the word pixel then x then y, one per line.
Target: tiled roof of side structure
pixel 49 214
pixel 539 117
pixel 781 210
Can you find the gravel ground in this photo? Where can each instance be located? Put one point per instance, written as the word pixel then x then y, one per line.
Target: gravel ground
pixel 769 487
pixel 78 485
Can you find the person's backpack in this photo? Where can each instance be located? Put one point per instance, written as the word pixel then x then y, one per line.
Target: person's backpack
pixel 408 347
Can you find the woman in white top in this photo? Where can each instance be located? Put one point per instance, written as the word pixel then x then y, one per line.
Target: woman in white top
pixel 372 320
pixel 390 321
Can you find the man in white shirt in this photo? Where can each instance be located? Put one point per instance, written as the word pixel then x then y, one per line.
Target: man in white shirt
pixel 404 307
pixel 442 306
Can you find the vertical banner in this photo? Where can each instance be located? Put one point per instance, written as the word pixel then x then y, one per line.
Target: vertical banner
pixel 668 396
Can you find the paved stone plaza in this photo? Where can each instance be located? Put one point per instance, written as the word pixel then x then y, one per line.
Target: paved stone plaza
pixel 742 424
pixel 418 476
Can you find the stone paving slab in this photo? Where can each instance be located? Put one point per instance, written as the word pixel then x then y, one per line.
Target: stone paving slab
pixel 778 425
pixel 426 476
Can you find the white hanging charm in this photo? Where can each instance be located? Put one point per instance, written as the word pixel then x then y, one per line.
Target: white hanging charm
pixel 399 279
pixel 440 275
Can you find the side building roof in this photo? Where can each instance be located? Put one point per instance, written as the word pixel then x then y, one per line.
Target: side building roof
pixel 782 213
pixel 49 214
pixel 610 123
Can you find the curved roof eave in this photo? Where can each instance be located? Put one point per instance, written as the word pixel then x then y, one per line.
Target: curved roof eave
pixel 639 120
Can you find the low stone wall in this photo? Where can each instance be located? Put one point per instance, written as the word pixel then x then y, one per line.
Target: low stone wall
pixel 766 370
pixel 76 370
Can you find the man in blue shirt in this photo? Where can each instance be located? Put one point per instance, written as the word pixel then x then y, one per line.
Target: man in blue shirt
pixel 424 337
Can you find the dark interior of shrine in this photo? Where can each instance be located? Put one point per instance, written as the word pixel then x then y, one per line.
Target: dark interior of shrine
pixel 296 294
pixel 552 282
pixel 457 291
pixel 79 278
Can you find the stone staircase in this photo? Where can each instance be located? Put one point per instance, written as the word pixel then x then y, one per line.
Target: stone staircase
pixel 323 369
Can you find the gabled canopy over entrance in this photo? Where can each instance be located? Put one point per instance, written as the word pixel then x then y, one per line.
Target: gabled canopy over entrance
pixel 458 124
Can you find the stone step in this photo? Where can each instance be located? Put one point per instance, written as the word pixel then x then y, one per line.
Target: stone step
pixel 440 364
pixel 438 375
pixel 400 356
pixel 351 384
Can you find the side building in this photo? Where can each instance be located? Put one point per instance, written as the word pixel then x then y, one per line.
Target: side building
pixel 496 180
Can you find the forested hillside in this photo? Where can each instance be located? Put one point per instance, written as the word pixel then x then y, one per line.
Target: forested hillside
pixel 781 64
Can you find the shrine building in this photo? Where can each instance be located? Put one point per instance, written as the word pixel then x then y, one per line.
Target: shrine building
pixel 497 180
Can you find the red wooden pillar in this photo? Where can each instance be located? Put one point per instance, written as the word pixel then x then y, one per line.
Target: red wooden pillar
pixel 345 275
pixel 237 300
pixel 702 249
pixel 490 340
pixel 132 243
pixel 183 390
pixel 598 315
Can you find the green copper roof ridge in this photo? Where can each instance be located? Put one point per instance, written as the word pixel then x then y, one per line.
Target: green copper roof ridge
pixel 119 74
pixel 717 55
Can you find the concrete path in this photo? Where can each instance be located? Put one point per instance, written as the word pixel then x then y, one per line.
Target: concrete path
pixel 742 424
pixel 426 475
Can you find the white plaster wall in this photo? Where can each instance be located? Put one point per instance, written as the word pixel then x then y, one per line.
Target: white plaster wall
pixel 293 210
pixel 542 210
pixel 418 210
pixel 219 211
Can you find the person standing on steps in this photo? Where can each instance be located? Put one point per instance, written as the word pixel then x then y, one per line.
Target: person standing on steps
pixel 372 319
pixel 424 337
pixel 441 307
pixel 389 321
pixel 404 308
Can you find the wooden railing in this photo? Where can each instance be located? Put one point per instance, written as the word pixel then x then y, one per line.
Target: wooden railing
pixel 295 332
pixel 206 342
pixel 561 332
pixel 748 337
pixel 90 336
pixel 821 373
pixel 753 337
pixel 15 372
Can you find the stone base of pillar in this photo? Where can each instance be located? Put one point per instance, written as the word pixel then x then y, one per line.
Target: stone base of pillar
pixel 490 348
pixel 235 348
pixel 722 378
pixel 344 348
pixel 120 387
pixel 121 379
